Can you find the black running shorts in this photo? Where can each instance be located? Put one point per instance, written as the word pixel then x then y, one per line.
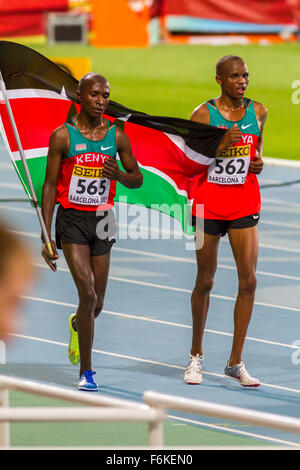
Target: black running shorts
pixel 220 227
pixel 86 228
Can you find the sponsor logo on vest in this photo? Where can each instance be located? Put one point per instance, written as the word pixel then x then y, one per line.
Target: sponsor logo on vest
pixel 88 171
pixel 239 151
pixel 91 158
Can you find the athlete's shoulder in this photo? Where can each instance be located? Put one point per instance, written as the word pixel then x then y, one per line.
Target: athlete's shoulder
pixel 60 138
pixel 201 114
pixel 260 110
pixel 60 131
pixel 120 134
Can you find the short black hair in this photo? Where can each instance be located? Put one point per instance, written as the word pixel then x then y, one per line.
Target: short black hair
pixel 223 60
pixel 87 77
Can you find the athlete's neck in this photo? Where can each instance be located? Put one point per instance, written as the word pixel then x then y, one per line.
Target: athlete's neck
pixel 89 123
pixel 230 104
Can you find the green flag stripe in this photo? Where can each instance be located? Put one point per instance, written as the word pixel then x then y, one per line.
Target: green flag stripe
pixel 37 170
pixel 165 198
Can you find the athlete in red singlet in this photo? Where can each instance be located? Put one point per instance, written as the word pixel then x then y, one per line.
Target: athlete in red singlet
pixel 230 194
pixel 81 175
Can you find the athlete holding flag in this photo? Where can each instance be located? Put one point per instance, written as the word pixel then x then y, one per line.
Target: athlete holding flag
pixel 230 194
pixel 81 176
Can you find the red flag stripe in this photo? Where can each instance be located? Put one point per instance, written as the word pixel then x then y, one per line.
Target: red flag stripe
pixel 36 118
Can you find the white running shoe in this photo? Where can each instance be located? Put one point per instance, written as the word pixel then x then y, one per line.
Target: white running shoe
pixel 238 372
pixel 193 373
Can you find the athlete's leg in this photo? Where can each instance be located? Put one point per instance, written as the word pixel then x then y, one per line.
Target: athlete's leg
pixel 100 267
pixel 244 244
pixel 79 261
pixel 206 268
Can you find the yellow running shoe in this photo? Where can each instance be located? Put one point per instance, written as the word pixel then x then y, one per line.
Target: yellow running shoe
pixel 73 349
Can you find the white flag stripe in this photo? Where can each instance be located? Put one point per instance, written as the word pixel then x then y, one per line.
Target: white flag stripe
pixel 124 118
pixel 191 154
pixel 162 175
pixel 34 93
pixel 2 132
pixel 31 153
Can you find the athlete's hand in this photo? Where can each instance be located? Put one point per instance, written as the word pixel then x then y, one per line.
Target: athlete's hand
pixel 256 165
pixel 232 136
pixel 47 255
pixel 111 169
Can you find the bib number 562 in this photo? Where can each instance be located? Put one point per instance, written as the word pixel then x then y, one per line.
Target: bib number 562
pixel 232 167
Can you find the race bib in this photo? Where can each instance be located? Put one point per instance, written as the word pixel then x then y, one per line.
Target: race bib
pixel 231 167
pixel 87 186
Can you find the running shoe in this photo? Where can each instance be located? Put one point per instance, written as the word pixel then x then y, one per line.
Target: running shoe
pixel 238 372
pixel 87 382
pixel 73 349
pixel 193 373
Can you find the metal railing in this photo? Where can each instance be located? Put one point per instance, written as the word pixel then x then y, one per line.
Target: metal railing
pixel 232 413
pixel 96 408
pixel 102 408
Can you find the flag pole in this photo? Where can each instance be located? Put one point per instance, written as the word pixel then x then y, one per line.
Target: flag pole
pixel 23 158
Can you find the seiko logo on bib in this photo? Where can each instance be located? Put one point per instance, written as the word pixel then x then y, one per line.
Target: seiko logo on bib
pixel 87 171
pixel 234 152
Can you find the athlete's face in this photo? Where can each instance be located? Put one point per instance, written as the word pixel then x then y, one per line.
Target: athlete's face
pixel 94 97
pixel 234 78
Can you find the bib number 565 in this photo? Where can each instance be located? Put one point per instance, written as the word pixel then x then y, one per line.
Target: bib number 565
pixel 92 188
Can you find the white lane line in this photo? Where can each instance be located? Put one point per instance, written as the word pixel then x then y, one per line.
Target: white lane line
pixel 234 431
pixel 25 210
pixel 193 261
pixel 162 322
pixel 277 202
pixel 274 223
pixel 189 291
pixel 178 289
pixel 5 166
pixel 146 361
pixel 15 186
pixel 188 260
pixel 279 248
pixel 177 418
pixel 262 245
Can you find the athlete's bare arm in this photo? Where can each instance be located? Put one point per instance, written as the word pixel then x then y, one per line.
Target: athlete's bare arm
pixel 261 116
pixel 131 177
pixel 256 165
pixel 58 147
pixel 233 135
pixel 201 114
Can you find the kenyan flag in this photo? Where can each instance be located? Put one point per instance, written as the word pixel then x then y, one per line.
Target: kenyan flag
pixel 172 153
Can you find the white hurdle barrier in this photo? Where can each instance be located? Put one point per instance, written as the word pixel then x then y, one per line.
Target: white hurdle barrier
pixel 97 408
pixel 241 415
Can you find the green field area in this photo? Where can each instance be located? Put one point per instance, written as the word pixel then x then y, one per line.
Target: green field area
pixel 172 80
pixel 114 434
